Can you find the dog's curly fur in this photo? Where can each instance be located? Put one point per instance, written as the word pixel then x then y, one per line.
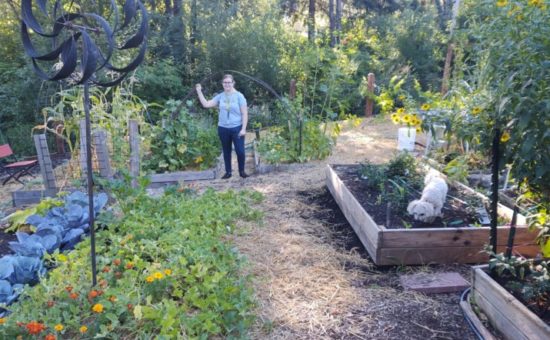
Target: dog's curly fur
pixel 428 207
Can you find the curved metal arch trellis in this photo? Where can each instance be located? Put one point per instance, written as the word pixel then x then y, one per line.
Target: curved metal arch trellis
pixel 77 31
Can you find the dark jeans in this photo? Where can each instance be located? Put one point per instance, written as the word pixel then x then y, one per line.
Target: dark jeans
pixel 228 136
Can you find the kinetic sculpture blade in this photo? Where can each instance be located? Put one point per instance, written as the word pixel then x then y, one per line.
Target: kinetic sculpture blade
pixel 72 34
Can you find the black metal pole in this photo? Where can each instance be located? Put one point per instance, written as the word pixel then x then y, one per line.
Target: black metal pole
pixel 90 181
pixel 494 193
pixel 512 234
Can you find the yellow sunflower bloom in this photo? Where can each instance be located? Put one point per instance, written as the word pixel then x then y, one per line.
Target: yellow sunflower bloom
pixel 59 327
pixel 425 107
pixel 407 118
pixel 401 110
pixel 158 275
pixel 502 3
pixel 505 137
pixel 476 110
pixel 536 3
pixel 418 129
pixel 167 272
pixel 396 120
pixel 83 329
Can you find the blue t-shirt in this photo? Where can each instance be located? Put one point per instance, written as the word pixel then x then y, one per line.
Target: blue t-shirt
pixel 229 113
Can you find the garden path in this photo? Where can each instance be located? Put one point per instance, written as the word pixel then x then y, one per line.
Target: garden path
pixel 313 278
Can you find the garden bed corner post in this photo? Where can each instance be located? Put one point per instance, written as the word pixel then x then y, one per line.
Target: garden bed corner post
pixel 494 193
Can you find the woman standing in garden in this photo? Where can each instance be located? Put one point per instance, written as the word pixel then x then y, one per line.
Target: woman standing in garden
pixel 232 120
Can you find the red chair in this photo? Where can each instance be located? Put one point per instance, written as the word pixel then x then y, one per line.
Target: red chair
pixel 17 169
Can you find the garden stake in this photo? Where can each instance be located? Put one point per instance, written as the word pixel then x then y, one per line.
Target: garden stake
pixel 494 194
pixel 512 234
pixel 75 27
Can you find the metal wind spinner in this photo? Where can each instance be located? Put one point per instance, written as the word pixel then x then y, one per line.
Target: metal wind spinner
pixel 83 47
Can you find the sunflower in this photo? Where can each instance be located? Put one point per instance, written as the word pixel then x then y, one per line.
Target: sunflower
pixel 425 107
pixel 476 110
pixel 502 3
pixel 505 137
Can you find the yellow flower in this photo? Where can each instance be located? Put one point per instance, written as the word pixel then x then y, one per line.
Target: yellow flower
pixel 396 120
pixel 418 129
pixel 502 3
pixel 149 279
pixel 62 258
pixel 83 329
pixel 2 321
pixel 476 110
pixel 407 118
pixel 425 107
pixel 536 3
pixel 401 110
pixel 158 275
pixel 98 308
pixel 198 160
pixel 401 97
pixel 505 137
pixel 59 327
pixel 167 272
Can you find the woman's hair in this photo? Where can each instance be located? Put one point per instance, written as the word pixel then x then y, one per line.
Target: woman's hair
pixel 230 76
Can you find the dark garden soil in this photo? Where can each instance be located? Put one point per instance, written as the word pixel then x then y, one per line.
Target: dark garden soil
pixel 456 212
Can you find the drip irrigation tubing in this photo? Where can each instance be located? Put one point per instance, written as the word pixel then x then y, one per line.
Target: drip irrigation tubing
pixel 470 323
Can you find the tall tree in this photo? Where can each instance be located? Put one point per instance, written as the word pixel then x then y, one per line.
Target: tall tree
pixel 338 21
pixel 332 23
pixel 311 21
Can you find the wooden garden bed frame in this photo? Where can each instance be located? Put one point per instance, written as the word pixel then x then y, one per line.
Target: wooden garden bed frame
pixel 425 245
pixel 506 313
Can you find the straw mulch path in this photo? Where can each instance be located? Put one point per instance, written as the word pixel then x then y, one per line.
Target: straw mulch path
pixel 313 278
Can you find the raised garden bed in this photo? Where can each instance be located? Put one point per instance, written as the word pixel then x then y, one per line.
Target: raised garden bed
pixel 506 313
pixel 438 244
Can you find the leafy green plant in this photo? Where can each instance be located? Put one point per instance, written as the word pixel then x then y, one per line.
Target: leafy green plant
pixel 165 269
pixel 282 144
pixel 182 143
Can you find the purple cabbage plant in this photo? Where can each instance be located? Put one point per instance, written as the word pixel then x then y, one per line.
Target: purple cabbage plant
pixel 61 228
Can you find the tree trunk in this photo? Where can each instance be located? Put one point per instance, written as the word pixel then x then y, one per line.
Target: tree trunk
pixel 332 25
pixel 449 57
pixel 311 21
pixel 338 20
pixel 177 7
pixel 167 6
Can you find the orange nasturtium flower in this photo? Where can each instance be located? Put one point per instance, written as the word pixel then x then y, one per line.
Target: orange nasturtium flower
pixel 2 321
pixel 505 137
pixel 83 329
pixel 112 298
pixel 129 265
pixel 50 337
pixel 92 294
pixel 73 296
pixel 69 288
pixel 149 279
pixel 34 327
pixel 98 308
pixel 116 262
pixel 59 327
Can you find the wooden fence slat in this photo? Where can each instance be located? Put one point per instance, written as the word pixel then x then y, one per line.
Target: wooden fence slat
pixel 134 150
pixel 99 138
pixel 44 160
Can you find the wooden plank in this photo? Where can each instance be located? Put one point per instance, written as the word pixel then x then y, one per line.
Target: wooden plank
pixel 99 138
pixel 363 225
pixel 448 254
pixel 505 312
pixel 134 150
pixel 440 237
pixel 45 162
pixel 83 162
pixel 183 176
pixel 21 198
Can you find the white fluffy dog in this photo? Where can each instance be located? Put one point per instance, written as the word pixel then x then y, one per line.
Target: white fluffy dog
pixel 428 207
